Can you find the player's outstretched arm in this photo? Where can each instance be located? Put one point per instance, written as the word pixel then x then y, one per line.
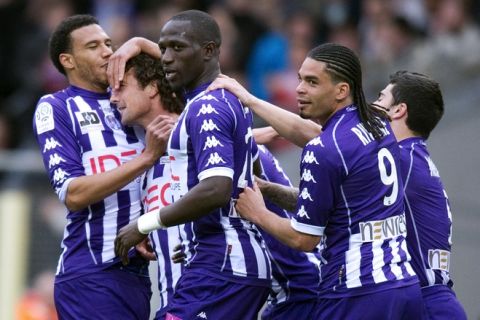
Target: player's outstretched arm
pixel 130 49
pixel 250 206
pixel 289 125
pixel 264 135
pixel 86 190
pixel 283 196
pixel 209 194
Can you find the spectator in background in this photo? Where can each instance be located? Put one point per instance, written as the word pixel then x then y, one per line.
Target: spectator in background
pixel 37 303
pixel 453 40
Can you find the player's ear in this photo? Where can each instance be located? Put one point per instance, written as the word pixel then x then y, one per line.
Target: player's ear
pixel 67 60
pixel 343 90
pixel 151 89
pixel 398 111
pixel 210 50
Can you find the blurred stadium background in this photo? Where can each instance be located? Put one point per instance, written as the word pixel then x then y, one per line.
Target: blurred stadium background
pixel 264 42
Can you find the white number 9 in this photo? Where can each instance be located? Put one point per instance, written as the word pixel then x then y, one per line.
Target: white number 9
pixel 388 179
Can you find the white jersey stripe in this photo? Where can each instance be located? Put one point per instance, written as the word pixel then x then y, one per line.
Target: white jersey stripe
pixel 262 258
pixel 377 262
pixel 237 259
pixel 396 270
pixel 353 257
pixel 87 233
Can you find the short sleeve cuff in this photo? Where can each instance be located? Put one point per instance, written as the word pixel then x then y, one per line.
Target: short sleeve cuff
pixel 215 172
pixel 307 228
pixel 62 192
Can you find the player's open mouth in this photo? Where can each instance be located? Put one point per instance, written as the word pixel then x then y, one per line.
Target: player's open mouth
pixel 169 74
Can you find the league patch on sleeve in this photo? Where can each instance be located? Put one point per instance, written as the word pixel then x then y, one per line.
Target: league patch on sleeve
pixel 44 118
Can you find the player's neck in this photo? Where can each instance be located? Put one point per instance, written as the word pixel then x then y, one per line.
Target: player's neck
pixel 87 85
pixel 401 131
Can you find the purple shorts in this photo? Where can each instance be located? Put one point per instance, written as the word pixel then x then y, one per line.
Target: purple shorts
pixel 393 304
pixel 199 296
pixel 441 303
pixel 107 294
pixel 291 310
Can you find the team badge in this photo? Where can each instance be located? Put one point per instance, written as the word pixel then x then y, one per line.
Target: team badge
pixel 44 118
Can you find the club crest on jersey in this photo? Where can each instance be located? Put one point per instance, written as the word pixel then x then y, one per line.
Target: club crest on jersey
pixel 50 143
pixel 44 118
pixel 89 121
pixel 309 158
pixel 208 125
pixel 307 176
pixel 212 142
pixel 112 121
pixel 302 213
pixel 206 109
pixel 214 159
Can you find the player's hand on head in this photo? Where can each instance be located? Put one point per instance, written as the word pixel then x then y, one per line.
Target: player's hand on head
pixel 145 250
pixel 249 202
pixel 179 255
pixel 118 60
pixel 127 237
pixel 232 85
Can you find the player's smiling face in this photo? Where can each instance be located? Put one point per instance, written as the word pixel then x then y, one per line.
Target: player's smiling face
pixel 182 57
pixel 133 102
pixel 91 48
pixel 316 91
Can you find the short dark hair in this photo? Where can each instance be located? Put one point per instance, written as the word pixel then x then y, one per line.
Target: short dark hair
pixel 146 70
pixel 423 98
pixel 204 27
pixel 61 40
pixel 343 65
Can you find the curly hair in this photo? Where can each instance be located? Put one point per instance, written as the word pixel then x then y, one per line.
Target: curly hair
pixel 147 70
pixel 61 40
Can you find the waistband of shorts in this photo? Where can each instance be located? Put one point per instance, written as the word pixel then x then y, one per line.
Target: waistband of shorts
pixel 136 265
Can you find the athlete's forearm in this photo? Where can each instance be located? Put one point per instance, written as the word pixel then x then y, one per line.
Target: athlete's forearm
pixel 149 47
pixel 208 195
pixel 86 190
pixel 289 125
pixel 283 196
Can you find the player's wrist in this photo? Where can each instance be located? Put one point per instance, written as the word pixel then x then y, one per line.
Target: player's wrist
pixel 149 222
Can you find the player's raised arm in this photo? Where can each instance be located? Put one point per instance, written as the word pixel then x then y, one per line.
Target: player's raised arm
pixel 131 48
pixel 289 125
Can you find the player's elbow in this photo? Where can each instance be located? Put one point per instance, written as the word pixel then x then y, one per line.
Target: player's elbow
pixel 304 242
pixel 75 202
pixel 218 191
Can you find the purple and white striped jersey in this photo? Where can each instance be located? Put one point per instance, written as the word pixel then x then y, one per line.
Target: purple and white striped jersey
pixel 156 194
pixel 429 220
pixel 213 137
pixel 80 133
pixel 295 274
pixel 351 195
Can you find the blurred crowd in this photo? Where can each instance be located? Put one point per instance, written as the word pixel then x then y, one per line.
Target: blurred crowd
pixel 264 42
